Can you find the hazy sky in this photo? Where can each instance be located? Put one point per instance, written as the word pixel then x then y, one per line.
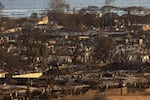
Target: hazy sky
pixel 124 3
pixel 22 4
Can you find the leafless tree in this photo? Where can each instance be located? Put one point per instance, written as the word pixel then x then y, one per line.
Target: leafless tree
pixel 103 48
pixel 109 2
pixel 58 5
pixel 1 7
